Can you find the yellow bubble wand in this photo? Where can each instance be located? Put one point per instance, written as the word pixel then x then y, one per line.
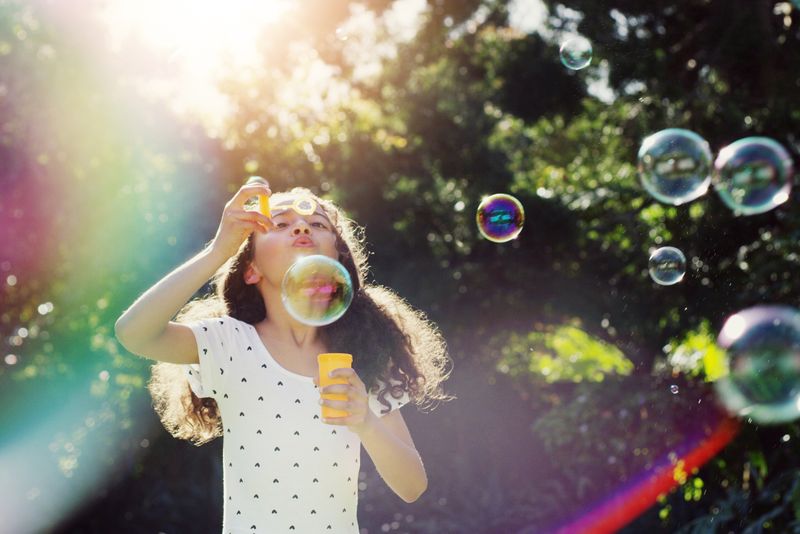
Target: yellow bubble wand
pixel 263 200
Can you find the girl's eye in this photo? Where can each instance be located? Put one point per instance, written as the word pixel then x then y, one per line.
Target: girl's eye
pixel 281 225
pixel 320 225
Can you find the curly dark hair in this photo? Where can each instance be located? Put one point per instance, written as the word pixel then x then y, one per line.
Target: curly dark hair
pixel 390 341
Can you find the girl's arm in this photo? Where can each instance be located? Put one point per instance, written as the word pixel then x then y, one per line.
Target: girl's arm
pixel 386 439
pixel 388 443
pixel 148 318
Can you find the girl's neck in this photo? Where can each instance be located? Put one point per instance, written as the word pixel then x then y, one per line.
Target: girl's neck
pixel 279 324
pixel 290 331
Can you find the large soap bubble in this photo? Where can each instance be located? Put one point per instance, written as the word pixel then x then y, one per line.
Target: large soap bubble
pixel 762 347
pixel 675 165
pixel 667 266
pixel 500 218
pixel 576 52
pixel 753 175
pixel 317 290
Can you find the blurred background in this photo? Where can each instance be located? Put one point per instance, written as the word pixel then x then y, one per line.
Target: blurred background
pixel 126 126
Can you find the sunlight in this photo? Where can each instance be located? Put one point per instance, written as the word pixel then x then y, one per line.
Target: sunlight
pixel 198 34
pixel 178 50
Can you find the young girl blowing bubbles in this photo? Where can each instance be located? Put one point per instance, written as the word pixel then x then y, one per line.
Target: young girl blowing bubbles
pixel 236 364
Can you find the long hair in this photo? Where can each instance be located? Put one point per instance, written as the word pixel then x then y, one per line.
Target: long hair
pixel 390 341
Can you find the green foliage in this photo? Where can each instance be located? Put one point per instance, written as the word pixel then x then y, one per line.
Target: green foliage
pixel 566 353
pixel 698 354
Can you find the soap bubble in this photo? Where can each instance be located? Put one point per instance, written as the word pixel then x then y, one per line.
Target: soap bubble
pixel 317 290
pixel 576 52
pixel 500 218
pixel 675 165
pixel 762 350
pixel 753 175
pixel 667 266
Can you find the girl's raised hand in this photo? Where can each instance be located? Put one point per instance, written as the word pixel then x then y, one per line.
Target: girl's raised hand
pixel 238 223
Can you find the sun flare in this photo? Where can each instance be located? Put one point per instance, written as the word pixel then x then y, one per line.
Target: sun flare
pixel 198 34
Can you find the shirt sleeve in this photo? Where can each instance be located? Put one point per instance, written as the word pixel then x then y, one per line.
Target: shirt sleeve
pixel 379 408
pixel 207 378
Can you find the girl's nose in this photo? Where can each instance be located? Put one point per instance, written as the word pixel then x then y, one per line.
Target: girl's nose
pixel 300 227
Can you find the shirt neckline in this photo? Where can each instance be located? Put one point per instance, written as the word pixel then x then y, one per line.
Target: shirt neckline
pixel 274 362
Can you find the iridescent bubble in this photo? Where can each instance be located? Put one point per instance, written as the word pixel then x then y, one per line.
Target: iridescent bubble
pixel 500 218
pixel 576 52
pixel 753 175
pixel 317 290
pixel 667 266
pixel 762 350
pixel 675 165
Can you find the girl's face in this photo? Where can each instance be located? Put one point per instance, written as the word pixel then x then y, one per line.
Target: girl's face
pixel 298 232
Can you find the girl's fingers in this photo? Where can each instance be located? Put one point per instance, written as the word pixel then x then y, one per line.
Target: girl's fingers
pixel 355 380
pixel 339 404
pixel 344 421
pixel 350 374
pixel 252 215
pixel 337 388
pixel 246 192
pixel 251 219
pixel 249 227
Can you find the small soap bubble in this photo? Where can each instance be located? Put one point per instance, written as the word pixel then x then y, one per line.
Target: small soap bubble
pixel 500 218
pixel 576 52
pixel 667 266
pixel 675 165
pixel 753 175
pixel 674 389
pixel 762 364
pixel 317 290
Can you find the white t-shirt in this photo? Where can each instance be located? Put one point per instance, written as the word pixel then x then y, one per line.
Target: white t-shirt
pixel 284 469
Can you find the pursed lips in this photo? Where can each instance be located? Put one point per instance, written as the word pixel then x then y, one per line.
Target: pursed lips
pixel 303 241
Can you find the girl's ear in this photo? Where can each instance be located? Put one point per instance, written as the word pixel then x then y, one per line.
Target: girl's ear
pixel 251 275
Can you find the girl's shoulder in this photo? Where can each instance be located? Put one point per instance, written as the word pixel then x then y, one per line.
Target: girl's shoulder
pixel 221 324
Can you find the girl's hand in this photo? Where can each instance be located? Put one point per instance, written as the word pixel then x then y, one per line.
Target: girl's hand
pixel 357 403
pixel 238 223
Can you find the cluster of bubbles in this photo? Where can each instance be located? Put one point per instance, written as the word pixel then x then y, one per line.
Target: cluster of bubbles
pixel 761 379
pixel 752 175
pixel 317 290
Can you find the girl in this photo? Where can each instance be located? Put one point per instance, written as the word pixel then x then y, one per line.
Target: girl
pixel 236 364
